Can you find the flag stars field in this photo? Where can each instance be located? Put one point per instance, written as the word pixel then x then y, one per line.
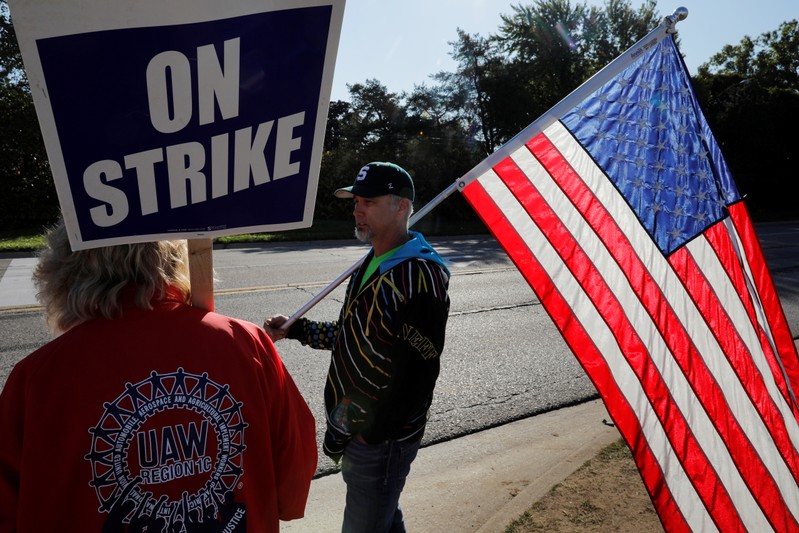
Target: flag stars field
pixel 655 132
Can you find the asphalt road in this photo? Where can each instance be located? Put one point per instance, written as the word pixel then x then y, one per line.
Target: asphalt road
pixel 503 358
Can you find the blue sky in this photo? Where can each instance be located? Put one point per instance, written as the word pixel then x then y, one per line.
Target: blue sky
pixel 402 42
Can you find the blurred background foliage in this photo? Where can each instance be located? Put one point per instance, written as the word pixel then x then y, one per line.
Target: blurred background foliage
pixel 503 81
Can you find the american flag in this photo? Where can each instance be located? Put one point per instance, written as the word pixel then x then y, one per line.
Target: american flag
pixel 620 212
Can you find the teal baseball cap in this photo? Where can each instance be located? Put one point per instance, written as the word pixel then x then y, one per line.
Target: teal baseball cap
pixel 378 179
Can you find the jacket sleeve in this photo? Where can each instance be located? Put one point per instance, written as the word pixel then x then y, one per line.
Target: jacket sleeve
pixel 317 335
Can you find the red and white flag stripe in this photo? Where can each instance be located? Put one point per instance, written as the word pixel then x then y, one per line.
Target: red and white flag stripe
pixel 681 348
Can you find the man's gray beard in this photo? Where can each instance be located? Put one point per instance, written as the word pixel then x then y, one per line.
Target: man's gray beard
pixel 364 236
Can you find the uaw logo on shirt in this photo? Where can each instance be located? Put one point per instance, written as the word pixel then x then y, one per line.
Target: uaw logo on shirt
pixel 167 456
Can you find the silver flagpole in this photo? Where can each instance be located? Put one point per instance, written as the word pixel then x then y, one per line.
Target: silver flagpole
pixel 667 27
pixel 336 282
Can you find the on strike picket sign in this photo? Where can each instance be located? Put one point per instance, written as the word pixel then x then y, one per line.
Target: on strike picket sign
pixel 181 118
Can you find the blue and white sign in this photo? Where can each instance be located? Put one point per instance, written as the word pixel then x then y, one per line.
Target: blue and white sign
pixel 167 119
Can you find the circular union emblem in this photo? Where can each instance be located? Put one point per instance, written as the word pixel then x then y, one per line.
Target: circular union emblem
pixel 168 449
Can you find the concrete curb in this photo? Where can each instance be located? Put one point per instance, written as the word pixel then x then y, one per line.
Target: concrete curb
pixel 480 482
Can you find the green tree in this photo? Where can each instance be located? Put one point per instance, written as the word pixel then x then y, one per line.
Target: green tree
pixel 772 58
pixel 750 94
pixel 469 89
pixel 438 150
pixel 610 30
pixel 28 200
pixel 502 83
pixel 540 53
pixel 420 131
pixel 377 121
pixel 544 40
pixel 10 57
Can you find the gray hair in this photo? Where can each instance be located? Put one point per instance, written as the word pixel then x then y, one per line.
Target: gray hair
pixel 78 286
pixel 396 200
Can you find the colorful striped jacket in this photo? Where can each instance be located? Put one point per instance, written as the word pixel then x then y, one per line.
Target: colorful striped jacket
pixel 386 346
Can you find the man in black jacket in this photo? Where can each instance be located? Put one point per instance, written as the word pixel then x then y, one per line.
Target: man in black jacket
pixel 386 348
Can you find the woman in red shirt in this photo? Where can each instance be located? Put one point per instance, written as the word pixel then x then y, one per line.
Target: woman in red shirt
pixel 147 413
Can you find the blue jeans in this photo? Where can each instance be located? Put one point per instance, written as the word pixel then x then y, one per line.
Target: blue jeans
pixel 375 476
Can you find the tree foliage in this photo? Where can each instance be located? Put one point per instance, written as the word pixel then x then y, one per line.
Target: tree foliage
pixel 28 198
pixel 502 82
pixel 750 94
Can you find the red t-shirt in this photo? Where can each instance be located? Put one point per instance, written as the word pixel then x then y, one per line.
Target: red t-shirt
pixel 166 419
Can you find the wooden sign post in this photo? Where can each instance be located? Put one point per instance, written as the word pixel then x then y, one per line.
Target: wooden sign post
pixel 201 273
